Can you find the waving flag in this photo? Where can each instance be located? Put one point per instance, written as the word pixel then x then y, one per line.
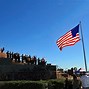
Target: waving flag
pixel 69 39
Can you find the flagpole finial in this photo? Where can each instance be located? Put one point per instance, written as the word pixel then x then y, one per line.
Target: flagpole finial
pixel 79 22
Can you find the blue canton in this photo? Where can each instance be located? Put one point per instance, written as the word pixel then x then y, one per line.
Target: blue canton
pixel 75 30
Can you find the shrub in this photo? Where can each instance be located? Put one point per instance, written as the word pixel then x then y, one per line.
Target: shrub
pixel 22 85
pixel 56 84
pixel 47 84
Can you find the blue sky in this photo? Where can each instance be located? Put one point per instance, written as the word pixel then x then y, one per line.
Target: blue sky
pixel 33 26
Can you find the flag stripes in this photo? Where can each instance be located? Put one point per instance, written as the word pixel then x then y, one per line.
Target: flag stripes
pixel 67 39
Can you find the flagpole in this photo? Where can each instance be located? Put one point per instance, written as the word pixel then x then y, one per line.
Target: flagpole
pixel 83 47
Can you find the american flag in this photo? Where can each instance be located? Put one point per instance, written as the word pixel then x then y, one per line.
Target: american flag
pixel 69 39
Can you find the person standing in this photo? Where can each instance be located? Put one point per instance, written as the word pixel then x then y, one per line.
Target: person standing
pixel 76 82
pixel 85 80
pixel 66 83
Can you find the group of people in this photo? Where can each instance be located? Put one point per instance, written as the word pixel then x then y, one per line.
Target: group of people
pixel 80 82
pixel 24 58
